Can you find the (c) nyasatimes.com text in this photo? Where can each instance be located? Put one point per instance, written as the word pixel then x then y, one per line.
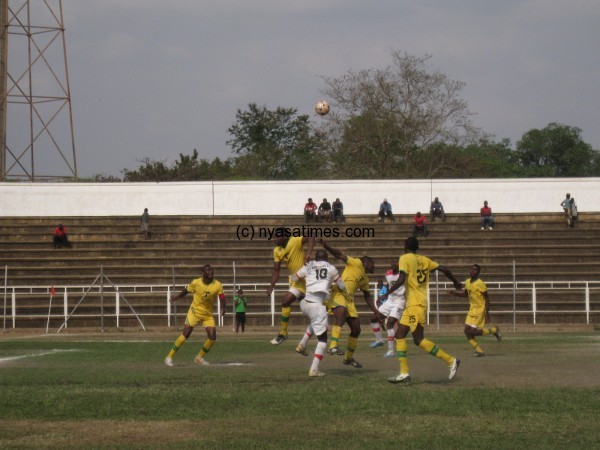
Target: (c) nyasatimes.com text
pixel 250 232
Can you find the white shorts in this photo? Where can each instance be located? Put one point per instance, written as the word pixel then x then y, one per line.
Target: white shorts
pixel 298 294
pixel 317 313
pixel 392 308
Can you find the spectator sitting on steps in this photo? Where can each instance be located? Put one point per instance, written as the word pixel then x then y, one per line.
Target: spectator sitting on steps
pixel 60 237
pixel 487 220
pixel 310 211
pixel 437 210
pixel 385 210
pixel 570 209
pixel 338 211
pixel 325 213
pixel 419 227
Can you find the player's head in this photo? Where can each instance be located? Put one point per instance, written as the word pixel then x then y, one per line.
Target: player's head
pixel 394 265
pixel 321 255
pixel 240 292
pixel 281 236
pixel 411 244
pixel 207 272
pixel 368 264
pixel 475 270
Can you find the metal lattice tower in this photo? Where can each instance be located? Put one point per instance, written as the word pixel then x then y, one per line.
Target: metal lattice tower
pixel 36 120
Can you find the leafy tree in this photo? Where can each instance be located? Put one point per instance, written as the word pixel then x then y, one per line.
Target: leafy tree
pixel 557 151
pixel 384 118
pixel 274 145
pixel 187 168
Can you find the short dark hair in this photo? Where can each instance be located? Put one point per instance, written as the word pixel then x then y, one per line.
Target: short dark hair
pixel 412 244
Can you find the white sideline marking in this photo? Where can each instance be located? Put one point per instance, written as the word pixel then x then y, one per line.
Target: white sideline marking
pixel 49 352
pixel 231 364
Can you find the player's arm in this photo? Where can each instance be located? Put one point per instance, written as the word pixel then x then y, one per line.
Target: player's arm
pixel 341 286
pixel 459 293
pixel 487 306
pixel 274 277
pixel 369 301
pixel 222 303
pixel 334 252
pixel 182 294
pixel 309 249
pixel 450 276
pixel 397 284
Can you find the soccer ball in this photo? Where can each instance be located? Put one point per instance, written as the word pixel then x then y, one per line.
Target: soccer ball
pixel 322 108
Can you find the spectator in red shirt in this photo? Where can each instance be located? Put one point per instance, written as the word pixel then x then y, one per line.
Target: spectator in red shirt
pixel 60 237
pixel 487 220
pixel 310 211
pixel 419 227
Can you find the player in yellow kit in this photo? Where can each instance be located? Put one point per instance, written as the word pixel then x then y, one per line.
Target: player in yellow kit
pixel 414 272
pixel 289 250
pixel 355 277
pixel 206 290
pixel 479 311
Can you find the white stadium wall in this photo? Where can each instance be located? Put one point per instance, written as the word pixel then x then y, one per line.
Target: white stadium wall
pixel 288 197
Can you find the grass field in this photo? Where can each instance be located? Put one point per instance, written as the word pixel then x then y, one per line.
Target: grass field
pixel 112 390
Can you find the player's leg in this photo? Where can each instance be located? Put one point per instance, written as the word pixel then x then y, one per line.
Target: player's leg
pixel 338 309
pixel 432 349
pixel 376 327
pixel 391 337
pixel 211 337
pixel 404 326
pixel 292 295
pixel 190 322
pixel 354 324
pixel 470 333
pixel 318 324
pixel 301 347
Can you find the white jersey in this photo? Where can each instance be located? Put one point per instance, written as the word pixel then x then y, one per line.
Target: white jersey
pixel 319 275
pixel 398 294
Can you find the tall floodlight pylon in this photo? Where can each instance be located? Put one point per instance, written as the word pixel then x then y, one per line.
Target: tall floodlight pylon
pixel 36 118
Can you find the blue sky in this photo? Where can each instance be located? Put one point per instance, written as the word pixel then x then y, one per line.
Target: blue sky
pixel 153 79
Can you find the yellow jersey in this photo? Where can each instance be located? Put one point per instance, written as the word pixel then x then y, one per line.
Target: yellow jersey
pixel 417 269
pixel 205 295
pixel 292 254
pixel 476 289
pixel 354 277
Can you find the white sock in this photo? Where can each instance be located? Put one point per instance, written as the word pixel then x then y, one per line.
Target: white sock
pixel 391 338
pixel 307 335
pixel 377 330
pixel 319 352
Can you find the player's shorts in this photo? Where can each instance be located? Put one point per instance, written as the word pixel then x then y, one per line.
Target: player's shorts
pixel 412 316
pixel 476 318
pixel 392 308
pixel 298 288
pixel 339 299
pixel 317 313
pixel 195 317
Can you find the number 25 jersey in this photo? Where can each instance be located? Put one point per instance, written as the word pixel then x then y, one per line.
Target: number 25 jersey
pixel 417 269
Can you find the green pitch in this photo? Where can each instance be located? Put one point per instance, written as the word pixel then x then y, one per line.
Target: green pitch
pixel 113 391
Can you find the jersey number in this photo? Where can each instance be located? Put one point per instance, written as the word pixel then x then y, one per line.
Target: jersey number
pixel 421 276
pixel 321 274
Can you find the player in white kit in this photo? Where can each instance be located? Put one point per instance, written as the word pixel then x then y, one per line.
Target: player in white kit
pixel 319 276
pixel 393 307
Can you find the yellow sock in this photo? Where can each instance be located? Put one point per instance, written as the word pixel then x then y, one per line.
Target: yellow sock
pixel 475 345
pixel 434 350
pixel 206 348
pixel 285 318
pixel 335 336
pixel 352 343
pixel 490 330
pixel 401 351
pixel 178 343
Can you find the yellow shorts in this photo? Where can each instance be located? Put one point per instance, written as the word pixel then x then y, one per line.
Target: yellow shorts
pixel 194 318
pixel 298 288
pixel 413 316
pixel 476 318
pixel 339 299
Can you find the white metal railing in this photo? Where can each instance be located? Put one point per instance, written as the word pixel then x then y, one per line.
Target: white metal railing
pixel 73 295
